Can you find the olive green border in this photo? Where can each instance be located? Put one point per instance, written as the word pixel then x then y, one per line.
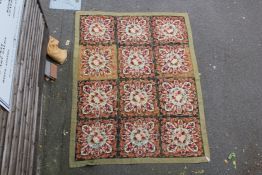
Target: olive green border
pixel 73 162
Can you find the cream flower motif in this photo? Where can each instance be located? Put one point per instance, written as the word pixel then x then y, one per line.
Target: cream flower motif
pixel 133 30
pixel 178 97
pixel 138 98
pixel 181 137
pixel 98 100
pixel 136 62
pixel 173 60
pixel 139 137
pixel 97 61
pixel 169 29
pixel 97 138
pixel 97 29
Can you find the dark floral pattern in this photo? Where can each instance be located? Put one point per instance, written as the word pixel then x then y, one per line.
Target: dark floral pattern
pixel 136 62
pixel 96 29
pixel 97 99
pixel 169 29
pixel 178 97
pixel 137 95
pixel 139 137
pixel 181 137
pixel 133 30
pixel 96 139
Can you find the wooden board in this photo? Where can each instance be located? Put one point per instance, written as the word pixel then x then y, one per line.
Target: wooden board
pixel 18 128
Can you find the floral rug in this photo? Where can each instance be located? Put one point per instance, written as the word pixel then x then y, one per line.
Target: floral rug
pixel 136 91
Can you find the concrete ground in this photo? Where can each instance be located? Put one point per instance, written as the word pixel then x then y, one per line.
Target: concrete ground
pixel 228 44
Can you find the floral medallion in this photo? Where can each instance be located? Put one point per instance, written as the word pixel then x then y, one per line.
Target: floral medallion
pixel 97 99
pixel 138 98
pixel 173 60
pixel 98 63
pixel 178 97
pixel 96 139
pixel 96 29
pixel 169 29
pixel 133 30
pixel 139 137
pixel 181 137
pixel 136 62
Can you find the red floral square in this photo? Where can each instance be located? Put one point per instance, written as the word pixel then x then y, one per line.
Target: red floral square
pixel 97 99
pixel 173 60
pixel 139 137
pixel 133 30
pixel 96 139
pixel 169 29
pixel 97 63
pixel 181 137
pixel 178 97
pixel 138 98
pixel 136 62
pixel 96 29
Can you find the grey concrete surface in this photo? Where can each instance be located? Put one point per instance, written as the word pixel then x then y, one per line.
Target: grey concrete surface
pixel 228 43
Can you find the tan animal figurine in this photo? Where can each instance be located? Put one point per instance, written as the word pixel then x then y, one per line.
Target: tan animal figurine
pixel 57 54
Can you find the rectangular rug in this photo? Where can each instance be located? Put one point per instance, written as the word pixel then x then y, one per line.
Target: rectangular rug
pixel 136 91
